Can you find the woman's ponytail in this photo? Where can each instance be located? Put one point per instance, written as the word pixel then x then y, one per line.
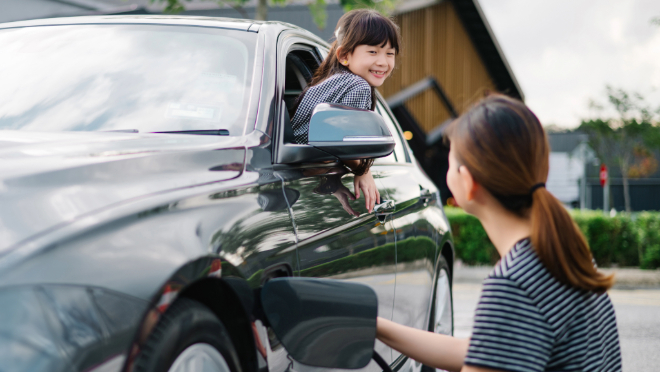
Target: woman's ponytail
pixel 561 247
pixel 505 148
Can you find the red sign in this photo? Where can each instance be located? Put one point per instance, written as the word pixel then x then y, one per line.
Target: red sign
pixel 603 174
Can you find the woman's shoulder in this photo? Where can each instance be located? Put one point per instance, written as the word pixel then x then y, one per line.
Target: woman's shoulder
pixel 520 258
pixel 521 267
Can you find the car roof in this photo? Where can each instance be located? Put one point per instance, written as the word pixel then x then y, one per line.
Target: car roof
pixel 181 20
pixel 229 23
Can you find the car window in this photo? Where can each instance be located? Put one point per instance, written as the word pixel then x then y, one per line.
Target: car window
pixel 300 67
pixel 323 52
pixel 125 77
pixel 307 57
pixel 399 151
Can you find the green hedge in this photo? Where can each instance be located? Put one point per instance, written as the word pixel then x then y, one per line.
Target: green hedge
pixel 613 240
pixel 471 243
pixel 623 240
pixel 649 239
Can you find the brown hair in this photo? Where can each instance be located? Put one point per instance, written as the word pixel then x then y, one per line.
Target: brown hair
pixel 504 146
pixel 356 27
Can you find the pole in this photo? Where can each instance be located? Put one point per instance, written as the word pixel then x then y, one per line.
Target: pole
pixel 605 183
pixel 583 183
pixel 606 197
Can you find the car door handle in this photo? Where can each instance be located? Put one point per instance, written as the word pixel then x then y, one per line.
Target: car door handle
pixel 425 194
pixel 386 207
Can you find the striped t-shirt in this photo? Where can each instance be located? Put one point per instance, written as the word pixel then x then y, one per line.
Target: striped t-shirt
pixel 527 321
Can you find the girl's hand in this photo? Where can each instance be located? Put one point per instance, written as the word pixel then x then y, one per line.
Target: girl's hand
pixel 368 185
pixel 343 194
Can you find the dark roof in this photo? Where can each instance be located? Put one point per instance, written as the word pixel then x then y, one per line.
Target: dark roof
pixel 484 40
pixel 566 142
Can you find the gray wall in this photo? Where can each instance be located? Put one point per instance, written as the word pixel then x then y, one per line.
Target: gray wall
pixel 19 10
pixel 644 194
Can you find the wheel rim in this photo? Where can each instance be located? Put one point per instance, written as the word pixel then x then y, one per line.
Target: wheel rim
pixel 443 310
pixel 200 357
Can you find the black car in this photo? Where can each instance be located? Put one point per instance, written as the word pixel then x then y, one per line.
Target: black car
pixel 149 188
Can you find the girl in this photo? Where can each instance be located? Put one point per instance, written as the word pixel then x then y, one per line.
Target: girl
pixel 544 306
pixel 360 59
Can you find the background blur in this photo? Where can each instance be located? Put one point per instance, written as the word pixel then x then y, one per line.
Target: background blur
pixel 590 71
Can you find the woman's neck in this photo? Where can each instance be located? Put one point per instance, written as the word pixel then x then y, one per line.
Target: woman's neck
pixel 504 228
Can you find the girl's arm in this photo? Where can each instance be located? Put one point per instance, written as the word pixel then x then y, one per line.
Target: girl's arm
pixel 431 349
pixel 367 184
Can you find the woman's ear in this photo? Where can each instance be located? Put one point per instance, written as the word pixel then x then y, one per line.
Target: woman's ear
pixel 469 185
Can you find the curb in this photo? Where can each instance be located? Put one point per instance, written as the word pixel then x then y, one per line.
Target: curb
pixel 624 277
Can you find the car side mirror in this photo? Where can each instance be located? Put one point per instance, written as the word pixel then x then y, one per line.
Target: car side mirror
pixel 349 133
pixel 321 322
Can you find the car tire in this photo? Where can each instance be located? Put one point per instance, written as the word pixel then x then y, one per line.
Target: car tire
pixel 188 337
pixel 442 311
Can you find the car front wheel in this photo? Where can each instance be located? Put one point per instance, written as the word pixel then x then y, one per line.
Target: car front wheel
pixel 442 315
pixel 188 337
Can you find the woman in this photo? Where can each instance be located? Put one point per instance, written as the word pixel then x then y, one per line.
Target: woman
pixel 544 307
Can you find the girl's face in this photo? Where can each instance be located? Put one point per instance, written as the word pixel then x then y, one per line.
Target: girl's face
pixel 373 63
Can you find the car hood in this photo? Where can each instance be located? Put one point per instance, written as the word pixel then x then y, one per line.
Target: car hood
pixel 50 179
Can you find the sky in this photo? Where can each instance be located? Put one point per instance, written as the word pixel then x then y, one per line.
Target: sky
pixel 564 52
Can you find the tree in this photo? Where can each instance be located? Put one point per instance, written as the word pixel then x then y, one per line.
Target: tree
pixel 627 140
pixel 316 7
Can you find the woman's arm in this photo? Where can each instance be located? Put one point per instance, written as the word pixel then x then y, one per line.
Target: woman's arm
pixel 431 349
pixel 479 369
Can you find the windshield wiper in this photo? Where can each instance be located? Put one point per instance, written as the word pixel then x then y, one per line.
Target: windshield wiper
pixel 209 132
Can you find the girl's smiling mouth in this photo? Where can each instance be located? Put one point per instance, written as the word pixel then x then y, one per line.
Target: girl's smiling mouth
pixel 378 74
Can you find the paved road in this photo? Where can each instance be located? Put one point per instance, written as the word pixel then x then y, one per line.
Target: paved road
pixel 638 319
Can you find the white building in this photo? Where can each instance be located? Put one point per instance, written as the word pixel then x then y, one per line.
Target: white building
pixel 568 159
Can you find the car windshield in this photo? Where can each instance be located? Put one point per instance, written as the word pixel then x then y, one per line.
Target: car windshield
pixel 146 78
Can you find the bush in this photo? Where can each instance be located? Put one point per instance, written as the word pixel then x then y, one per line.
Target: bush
pixel 649 238
pixel 471 243
pixel 613 240
pixel 621 240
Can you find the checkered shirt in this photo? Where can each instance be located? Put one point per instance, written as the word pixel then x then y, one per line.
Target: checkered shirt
pixel 343 88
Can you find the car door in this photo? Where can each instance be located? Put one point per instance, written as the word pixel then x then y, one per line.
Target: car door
pixel 337 237
pixel 416 237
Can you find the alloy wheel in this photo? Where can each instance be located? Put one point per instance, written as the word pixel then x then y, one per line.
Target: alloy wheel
pixel 200 357
pixel 443 317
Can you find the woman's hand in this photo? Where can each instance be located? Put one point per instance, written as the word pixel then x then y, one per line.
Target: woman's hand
pixel 367 184
pixel 432 349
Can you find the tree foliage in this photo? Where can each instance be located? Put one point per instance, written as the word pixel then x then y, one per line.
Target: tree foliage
pixel 625 141
pixel 317 8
